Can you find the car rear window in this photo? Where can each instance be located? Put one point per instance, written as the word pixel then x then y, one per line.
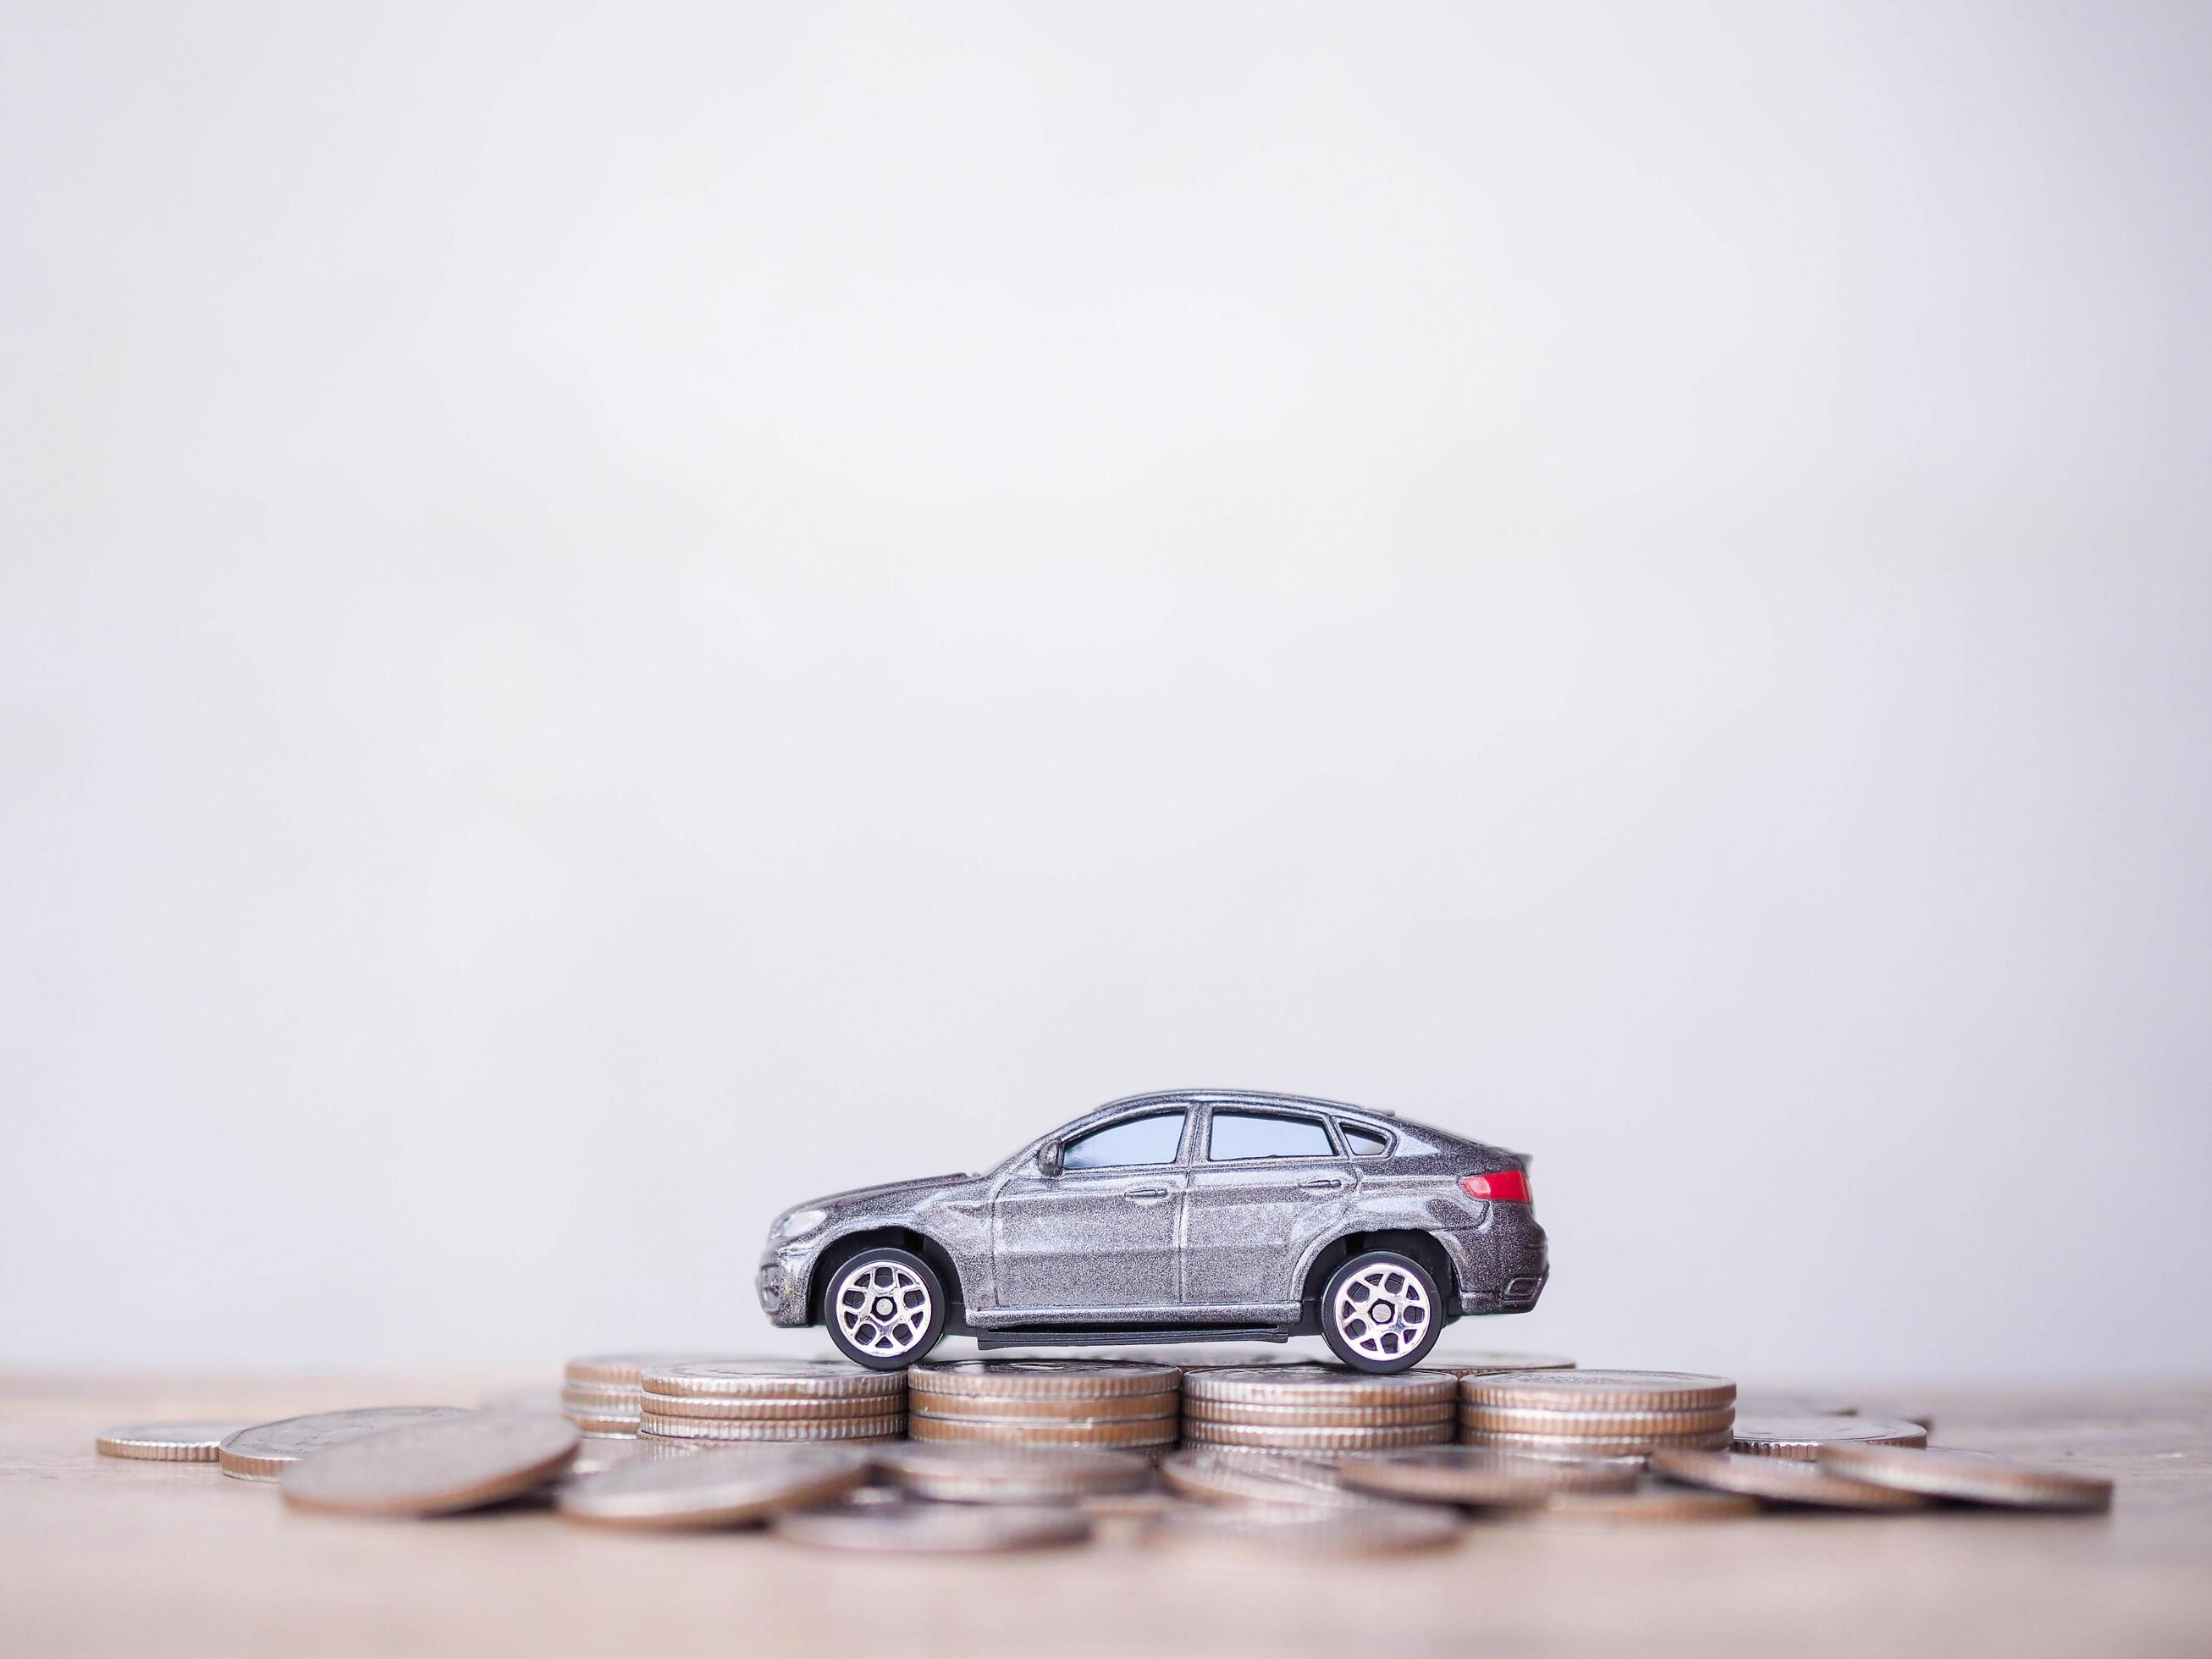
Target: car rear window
pixel 1363 1143
pixel 1255 1134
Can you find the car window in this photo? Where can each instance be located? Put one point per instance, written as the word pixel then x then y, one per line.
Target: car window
pixel 1150 1139
pixel 1255 1134
pixel 1363 1143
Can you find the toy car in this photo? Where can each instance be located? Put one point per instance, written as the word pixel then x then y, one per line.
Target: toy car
pixel 1191 1215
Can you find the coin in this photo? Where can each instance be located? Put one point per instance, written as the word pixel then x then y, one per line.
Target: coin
pixel 746 1408
pixel 1969 1477
pixel 1655 1503
pixel 166 1442
pixel 1376 1528
pixel 1319 1385
pixel 1216 1476
pixel 1802 1437
pixel 599 1454
pixel 1778 1480
pixel 1477 1474
pixel 1021 1408
pixel 970 1473
pixel 434 1468
pixel 1463 1363
pixel 627 1370
pixel 775 1379
pixel 1041 1378
pixel 1127 1431
pixel 712 1428
pixel 1272 1438
pixel 715 1488
pixel 936 1529
pixel 1317 1417
pixel 1521 1419
pixel 1584 1445
pixel 267 1450
pixel 1597 1391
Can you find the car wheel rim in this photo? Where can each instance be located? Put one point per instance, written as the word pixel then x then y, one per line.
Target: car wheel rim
pixel 1382 1311
pixel 884 1309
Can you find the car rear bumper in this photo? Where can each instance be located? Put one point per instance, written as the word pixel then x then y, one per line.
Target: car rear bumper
pixel 1502 1263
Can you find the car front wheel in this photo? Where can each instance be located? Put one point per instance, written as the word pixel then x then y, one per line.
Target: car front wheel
pixel 1380 1312
pixel 885 1309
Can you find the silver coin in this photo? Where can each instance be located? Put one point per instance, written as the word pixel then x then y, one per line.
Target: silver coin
pixel 935 1528
pixel 1477 1475
pixel 1076 1379
pixel 627 1370
pixel 267 1450
pixel 1778 1480
pixel 1251 1477
pixel 1461 1363
pixel 1969 1477
pixel 777 1379
pixel 166 1442
pixel 966 1473
pixel 1655 1504
pixel 1319 1385
pixel 711 1428
pixel 721 1487
pixel 434 1468
pixel 1597 1391
pixel 1801 1438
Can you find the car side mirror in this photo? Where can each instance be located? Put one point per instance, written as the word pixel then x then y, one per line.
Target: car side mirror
pixel 1048 1157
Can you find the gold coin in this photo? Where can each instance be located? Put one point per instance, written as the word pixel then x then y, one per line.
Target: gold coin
pixel 1968 1477
pixel 1134 1431
pixel 773 1379
pixel 746 1408
pixel 1461 1363
pixel 167 1443
pixel 718 1487
pixel 1218 1476
pixel 716 1428
pixel 434 1468
pixel 1016 1408
pixel 935 1528
pixel 1378 1528
pixel 267 1450
pixel 1587 1445
pixel 1080 1379
pixel 962 1473
pixel 1657 1504
pixel 1778 1480
pixel 1317 1417
pixel 1272 1438
pixel 1801 1438
pixel 1479 1475
pixel 1318 1385
pixel 1597 1391
pixel 1521 1419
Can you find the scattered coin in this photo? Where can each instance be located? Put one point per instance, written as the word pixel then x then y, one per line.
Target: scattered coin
pixel 1377 1528
pixel 1084 1379
pixel 434 1468
pixel 1320 1385
pixel 1778 1480
pixel 1597 1391
pixel 267 1450
pixel 1653 1504
pixel 1275 1437
pixel 1803 1437
pixel 1461 1363
pixel 1969 1477
pixel 1216 1476
pixel 599 1453
pixel 1524 1419
pixel 970 1473
pixel 721 1487
pixel 166 1442
pixel 935 1528
pixel 1477 1475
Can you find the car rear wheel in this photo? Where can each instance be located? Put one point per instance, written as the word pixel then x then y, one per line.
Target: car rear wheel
pixel 885 1309
pixel 1380 1312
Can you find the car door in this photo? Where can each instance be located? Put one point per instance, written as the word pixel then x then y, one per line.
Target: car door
pixel 1266 1181
pixel 1103 1233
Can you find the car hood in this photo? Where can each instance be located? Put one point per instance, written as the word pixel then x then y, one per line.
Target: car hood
pixel 859 1197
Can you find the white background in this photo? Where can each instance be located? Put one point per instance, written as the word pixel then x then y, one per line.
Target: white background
pixel 612 619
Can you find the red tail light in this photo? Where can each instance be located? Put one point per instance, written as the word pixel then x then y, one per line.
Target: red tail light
pixel 1505 1186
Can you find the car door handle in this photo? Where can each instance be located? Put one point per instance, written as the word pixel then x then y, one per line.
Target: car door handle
pixel 1324 1184
pixel 1145 1195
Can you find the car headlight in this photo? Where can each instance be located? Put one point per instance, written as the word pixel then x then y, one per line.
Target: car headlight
pixel 798 1223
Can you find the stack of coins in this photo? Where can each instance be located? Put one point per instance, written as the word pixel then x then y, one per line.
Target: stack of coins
pixel 602 1392
pixel 771 1399
pixel 1118 1405
pixel 1316 1411
pixel 1561 1414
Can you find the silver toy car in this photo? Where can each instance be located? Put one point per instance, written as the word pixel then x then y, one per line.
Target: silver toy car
pixel 1190 1215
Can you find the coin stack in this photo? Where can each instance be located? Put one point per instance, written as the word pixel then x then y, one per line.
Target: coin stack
pixel 771 1399
pixel 1118 1405
pixel 1316 1411
pixel 1561 1414
pixel 602 1392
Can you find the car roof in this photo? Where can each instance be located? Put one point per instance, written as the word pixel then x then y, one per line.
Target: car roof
pixel 1247 1098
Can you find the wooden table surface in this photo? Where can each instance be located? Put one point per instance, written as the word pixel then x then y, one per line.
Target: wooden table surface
pixel 99 1555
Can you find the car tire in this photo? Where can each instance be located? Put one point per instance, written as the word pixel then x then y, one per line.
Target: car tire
pixel 854 1300
pixel 1376 1278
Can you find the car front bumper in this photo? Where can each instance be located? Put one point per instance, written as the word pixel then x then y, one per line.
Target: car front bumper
pixel 782 1291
